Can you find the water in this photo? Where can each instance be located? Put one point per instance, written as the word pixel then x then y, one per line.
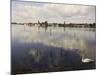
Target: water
pixel 55 48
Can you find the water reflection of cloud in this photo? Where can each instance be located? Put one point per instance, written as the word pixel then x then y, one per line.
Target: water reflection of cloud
pixel 71 38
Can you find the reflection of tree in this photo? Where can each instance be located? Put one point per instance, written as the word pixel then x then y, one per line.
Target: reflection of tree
pixel 51 59
pixel 50 31
pixel 64 25
pixel 24 27
pixel 46 25
pixel 43 24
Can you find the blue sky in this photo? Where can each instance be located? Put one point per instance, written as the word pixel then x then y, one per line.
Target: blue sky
pixel 26 11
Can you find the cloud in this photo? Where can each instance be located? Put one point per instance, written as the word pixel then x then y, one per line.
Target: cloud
pixel 33 11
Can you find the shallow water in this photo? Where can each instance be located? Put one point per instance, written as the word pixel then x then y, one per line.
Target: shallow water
pixel 34 47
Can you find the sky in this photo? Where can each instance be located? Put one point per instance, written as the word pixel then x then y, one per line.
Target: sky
pixel 28 11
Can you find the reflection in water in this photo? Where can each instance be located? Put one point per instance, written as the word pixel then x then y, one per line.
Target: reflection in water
pixel 36 49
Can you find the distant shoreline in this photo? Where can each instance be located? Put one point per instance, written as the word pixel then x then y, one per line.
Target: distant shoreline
pixel 71 25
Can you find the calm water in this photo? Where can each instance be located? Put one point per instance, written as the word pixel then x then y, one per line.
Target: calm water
pixel 38 49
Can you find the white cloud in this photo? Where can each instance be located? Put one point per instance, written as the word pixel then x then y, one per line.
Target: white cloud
pixel 26 12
